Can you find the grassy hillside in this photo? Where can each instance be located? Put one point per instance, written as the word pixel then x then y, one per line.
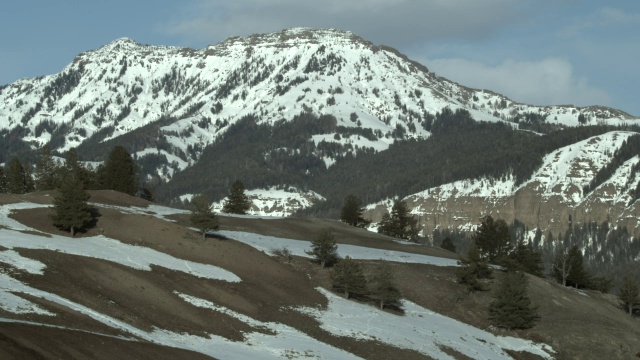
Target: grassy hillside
pixel 146 304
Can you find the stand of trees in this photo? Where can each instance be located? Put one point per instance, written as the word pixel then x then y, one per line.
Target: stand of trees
pixel 349 278
pixel 119 173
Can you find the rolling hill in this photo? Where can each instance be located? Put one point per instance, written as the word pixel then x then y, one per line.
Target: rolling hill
pixel 140 283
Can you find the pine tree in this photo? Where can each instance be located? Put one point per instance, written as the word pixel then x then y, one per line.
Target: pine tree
pixel 512 308
pixel 492 239
pixel 19 179
pixel 352 212
pixel 46 171
pixel 383 288
pixel 578 276
pixel 3 182
pixel 120 172
pixel 447 244
pixel 525 258
pixel 472 269
pixel 629 293
pixel 237 202
pixel 324 248
pixel 347 276
pixel 202 216
pixel 73 167
pixel 70 208
pixel 399 224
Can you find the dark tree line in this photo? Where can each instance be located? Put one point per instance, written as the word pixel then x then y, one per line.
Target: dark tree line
pixel 119 172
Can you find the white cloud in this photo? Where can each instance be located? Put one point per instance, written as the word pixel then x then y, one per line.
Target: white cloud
pixel 392 22
pixel 545 82
pixel 604 17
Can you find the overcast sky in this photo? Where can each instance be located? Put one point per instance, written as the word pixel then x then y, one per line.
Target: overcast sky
pixel 539 52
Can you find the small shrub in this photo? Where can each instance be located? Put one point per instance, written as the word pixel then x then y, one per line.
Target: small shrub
pixel 282 253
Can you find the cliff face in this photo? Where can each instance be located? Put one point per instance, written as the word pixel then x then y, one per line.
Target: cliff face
pixel 551 200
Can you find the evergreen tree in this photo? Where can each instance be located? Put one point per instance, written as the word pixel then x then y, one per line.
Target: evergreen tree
pixel 525 258
pixel 70 208
pixel 119 172
pixel 629 293
pixel 578 276
pixel 472 269
pixel 73 167
pixel 3 182
pixel 237 202
pixel 383 288
pixel 46 171
pixel 347 276
pixel 202 216
pixel 447 244
pixel 352 212
pixel 399 224
pixel 19 179
pixel 512 308
pixel 492 239
pixel 324 248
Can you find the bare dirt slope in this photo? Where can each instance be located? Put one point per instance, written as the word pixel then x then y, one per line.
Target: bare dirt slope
pixel 578 325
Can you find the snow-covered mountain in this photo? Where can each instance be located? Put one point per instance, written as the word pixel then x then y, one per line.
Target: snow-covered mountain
pixel 167 104
pixel 123 86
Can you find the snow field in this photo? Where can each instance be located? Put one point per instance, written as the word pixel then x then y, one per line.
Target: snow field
pixel 100 247
pixel 418 329
pixel 298 247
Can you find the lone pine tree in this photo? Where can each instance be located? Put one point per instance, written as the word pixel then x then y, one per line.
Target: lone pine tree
pixel 237 202
pixel 492 239
pixel 472 269
pixel 383 288
pixel 348 277
pixel 512 307
pixel 46 170
pixel 70 208
pixel 352 212
pixel 119 172
pixel 19 179
pixel 399 224
pixel 3 182
pixel 202 216
pixel 324 248
pixel 447 244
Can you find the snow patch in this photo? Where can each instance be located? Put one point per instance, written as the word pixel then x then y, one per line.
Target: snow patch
pixel 418 329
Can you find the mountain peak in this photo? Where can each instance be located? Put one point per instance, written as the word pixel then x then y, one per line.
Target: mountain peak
pixel 292 36
pixel 120 43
